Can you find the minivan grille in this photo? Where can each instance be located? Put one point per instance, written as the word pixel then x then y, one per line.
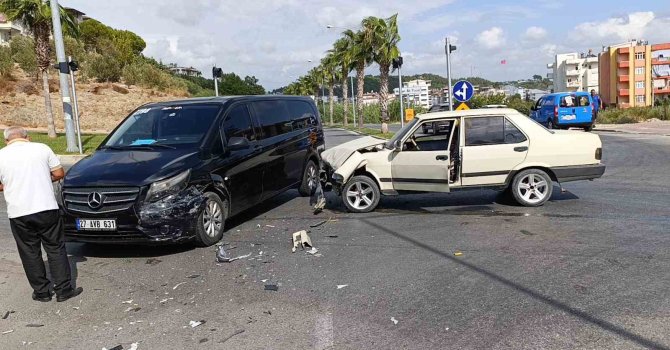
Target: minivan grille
pixel 99 200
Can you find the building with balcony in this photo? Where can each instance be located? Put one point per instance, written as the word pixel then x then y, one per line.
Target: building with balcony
pixel 9 29
pixel 416 92
pixel 574 72
pixel 635 73
pixel 187 71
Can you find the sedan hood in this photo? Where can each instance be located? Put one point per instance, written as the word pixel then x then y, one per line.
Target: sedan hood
pixel 129 167
pixel 337 155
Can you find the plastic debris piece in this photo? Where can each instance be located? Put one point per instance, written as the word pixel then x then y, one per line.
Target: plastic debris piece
pixel 194 276
pixel 458 253
pixel 153 261
pixel 301 239
pixel 318 200
pixel 34 325
pixel 178 284
pixel 270 226
pixel 118 347
pixel 313 251
pixel 133 346
pixel 127 301
pixel 394 320
pixel 194 324
pixel 223 257
pixel 265 280
pixel 318 224
pixel 239 331
pixel 333 236
pixel 272 287
pixel 258 225
pixel 134 309
pixel 6 315
pixel 340 286
pixel 75 307
pixel 7 332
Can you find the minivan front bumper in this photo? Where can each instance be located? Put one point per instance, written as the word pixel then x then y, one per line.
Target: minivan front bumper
pixel 170 220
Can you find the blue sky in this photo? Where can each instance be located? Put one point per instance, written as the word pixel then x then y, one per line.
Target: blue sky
pixel 275 39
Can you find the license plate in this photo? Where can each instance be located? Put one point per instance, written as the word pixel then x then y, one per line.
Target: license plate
pixel 569 117
pixel 96 225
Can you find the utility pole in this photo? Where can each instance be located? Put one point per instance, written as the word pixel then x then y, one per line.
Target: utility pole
pixel 448 49
pixel 73 68
pixel 397 63
pixel 353 98
pixel 64 70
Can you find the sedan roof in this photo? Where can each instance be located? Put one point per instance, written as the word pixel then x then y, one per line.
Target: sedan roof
pixel 467 113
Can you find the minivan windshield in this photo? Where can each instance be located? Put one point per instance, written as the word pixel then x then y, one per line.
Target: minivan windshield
pixel 164 126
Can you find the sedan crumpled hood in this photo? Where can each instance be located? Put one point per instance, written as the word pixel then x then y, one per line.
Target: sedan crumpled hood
pixel 129 167
pixel 337 155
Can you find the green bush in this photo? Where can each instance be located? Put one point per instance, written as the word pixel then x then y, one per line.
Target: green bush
pixel 6 63
pixel 143 73
pixel 23 53
pixel 633 115
pixel 103 68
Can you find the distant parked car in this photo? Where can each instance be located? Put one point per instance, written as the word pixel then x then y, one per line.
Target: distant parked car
pixel 485 148
pixel 564 110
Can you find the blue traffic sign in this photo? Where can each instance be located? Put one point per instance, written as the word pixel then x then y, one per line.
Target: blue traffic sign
pixel 463 91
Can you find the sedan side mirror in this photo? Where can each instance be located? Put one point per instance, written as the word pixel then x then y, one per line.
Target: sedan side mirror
pixel 397 145
pixel 238 143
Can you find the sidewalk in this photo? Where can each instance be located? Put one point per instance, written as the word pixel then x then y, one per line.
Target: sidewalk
pixel 656 127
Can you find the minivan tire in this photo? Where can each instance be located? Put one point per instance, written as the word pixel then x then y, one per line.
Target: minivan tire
pixel 532 187
pixel 368 194
pixel 550 124
pixel 216 211
pixel 588 128
pixel 311 172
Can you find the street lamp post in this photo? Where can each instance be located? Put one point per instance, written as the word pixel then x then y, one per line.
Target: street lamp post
pixel 448 48
pixel 353 98
pixel 73 68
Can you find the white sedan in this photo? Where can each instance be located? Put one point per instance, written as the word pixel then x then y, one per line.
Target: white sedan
pixel 487 148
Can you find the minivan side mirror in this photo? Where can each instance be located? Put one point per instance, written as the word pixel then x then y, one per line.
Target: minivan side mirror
pixel 238 143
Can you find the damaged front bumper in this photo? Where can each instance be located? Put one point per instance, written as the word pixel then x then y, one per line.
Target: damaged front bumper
pixel 170 220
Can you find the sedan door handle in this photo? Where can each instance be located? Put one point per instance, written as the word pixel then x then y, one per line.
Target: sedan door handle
pixel 520 149
pixel 442 157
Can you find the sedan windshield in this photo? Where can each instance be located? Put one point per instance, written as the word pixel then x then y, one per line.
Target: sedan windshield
pixel 164 125
pixel 401 133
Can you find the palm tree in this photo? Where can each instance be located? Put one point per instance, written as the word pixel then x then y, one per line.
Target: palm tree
pixel 385 38
pixel 329 67
pixel 36 17
pixel 343 54
pixel 362 57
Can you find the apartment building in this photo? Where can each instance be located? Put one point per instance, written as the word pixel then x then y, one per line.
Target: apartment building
pixel 635 73
pixel 9 29
pixel 575 72
pixel 187 71
pixel 416 92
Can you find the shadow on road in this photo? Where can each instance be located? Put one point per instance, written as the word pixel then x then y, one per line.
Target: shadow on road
pixel 605 325
pixel 82 250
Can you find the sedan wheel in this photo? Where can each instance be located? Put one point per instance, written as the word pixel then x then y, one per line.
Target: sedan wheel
pixel 212 218
pixel 532 187
pixel 361 194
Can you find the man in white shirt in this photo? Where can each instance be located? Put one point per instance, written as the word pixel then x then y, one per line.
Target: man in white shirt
pixel 27 171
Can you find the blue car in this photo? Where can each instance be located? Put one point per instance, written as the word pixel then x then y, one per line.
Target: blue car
pixel 564 110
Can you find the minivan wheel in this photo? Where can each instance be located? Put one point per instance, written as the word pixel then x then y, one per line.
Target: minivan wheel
pixel 550 124
pixel 212 220
pixel 361 194
pixel 588 128
pixel 532 187
pixel 310 179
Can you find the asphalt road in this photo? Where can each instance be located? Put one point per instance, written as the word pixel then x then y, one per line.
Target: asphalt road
pixel 589 270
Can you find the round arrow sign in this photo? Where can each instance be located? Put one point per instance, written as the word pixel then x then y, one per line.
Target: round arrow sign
pixel 463 91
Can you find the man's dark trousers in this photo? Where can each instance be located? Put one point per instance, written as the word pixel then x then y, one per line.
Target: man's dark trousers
pixel 46 229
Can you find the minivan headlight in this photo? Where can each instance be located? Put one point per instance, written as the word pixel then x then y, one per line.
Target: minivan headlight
pixel 167 187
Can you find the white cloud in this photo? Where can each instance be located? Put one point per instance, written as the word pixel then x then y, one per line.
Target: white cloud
pixel 636 25
pixel 535 33
pixel 492 38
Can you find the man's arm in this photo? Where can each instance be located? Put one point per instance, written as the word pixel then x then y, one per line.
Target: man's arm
pixel 57 174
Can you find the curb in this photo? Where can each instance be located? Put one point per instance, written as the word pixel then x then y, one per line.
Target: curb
pixel 70 159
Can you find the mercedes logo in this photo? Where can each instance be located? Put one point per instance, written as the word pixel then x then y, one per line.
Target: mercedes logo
pixel 94 200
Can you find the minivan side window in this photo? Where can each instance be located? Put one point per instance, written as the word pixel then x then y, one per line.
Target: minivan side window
pixel 301 114
pixel 568 101
pixel 238 123
pixel 491 131
pixel 273 117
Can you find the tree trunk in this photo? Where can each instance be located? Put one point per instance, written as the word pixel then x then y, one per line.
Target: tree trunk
pixel 360 82
pixel 51 126
pixel 383 96
pixel 331 92
pixel 41 34
pixel 345 99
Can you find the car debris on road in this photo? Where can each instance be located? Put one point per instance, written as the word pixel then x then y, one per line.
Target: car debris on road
pixel 301 239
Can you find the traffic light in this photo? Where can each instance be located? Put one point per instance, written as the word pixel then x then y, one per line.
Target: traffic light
pixel 217 72
pixel 452 48
pixel 74 66
pixel 397 62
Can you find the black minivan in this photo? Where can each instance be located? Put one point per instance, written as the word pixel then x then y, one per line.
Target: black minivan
pixel 176 171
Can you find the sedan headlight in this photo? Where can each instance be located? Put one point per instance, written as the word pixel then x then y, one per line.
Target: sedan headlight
pixel 167 187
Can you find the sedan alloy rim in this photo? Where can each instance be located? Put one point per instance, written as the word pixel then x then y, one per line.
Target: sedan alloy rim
pixel 360 195
pixel 212 218
pixel 533 188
